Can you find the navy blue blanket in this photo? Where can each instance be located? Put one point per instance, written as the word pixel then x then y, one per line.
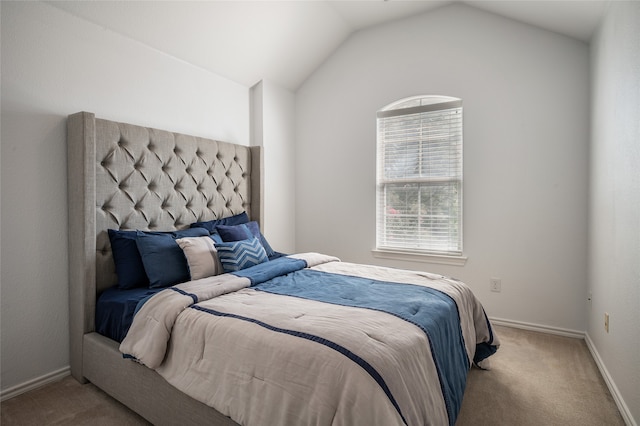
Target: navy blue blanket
pixel 431 310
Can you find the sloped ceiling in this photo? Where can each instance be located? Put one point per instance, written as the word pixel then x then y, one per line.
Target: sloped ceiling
pixel 284 41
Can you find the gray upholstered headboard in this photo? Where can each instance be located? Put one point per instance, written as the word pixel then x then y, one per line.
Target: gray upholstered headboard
pixel 123 176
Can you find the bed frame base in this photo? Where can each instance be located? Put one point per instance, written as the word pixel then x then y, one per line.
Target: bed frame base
pixel 142 389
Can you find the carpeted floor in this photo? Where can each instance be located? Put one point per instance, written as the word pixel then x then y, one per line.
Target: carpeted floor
pixel 538 379
pixel 535 379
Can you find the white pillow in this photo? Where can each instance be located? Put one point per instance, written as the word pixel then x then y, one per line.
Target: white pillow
pixel 201 255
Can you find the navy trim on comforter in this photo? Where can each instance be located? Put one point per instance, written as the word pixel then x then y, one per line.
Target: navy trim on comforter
pixel 431 310
pixel 328 343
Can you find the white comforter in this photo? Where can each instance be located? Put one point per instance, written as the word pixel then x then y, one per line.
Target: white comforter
pixel 268 359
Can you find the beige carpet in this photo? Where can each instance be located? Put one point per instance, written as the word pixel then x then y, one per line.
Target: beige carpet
pixel 536 379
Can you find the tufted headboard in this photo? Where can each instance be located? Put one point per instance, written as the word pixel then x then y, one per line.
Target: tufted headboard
pixel 123 176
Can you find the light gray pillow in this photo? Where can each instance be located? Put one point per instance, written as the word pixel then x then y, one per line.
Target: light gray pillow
pixel 201 255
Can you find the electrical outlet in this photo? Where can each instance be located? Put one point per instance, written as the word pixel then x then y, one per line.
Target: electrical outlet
pixel 495 285
pixel 606 322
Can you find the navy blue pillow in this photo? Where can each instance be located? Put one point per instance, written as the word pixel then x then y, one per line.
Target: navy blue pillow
pixel 234 233
pixel 163 259
pixel 231 220
pixel 184 233
pixel 126 256
pixel 243 232
pixel 127 259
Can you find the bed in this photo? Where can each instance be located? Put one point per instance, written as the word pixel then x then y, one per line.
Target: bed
pixel 269 338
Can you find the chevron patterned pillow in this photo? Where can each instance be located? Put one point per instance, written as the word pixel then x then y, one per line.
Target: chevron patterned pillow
pixel 238 255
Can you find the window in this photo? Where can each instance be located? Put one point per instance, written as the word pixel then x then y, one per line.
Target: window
pixel 419 176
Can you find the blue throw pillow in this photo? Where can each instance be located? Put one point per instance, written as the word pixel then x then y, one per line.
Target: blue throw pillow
pixel 128 261
pixel 238 255
pixel 163 259
pixel 234 233
pixel 126 257
pixel 243 232
pixel 231 220
pixel 183 233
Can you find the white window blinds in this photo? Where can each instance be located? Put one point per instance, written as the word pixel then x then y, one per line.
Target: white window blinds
pixel 419 176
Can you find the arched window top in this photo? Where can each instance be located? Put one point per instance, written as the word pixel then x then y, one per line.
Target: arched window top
pixel 414 101
pixel 418 104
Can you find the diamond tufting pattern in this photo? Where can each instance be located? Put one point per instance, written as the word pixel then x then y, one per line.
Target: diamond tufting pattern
pixel 150 179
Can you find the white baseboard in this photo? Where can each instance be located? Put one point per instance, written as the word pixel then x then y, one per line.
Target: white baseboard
pixel 615 393
pixel 539 328
pixel 34 383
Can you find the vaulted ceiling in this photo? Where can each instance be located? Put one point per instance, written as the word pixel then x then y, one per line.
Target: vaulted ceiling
pixel 284 41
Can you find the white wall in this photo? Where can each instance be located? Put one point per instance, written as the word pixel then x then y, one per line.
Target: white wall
pixel 526 100
pixel 614 208
pixel 526 122
pixel 272 123
pixel 54 64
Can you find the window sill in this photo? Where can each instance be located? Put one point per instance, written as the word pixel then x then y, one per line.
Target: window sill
pixel 420 257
